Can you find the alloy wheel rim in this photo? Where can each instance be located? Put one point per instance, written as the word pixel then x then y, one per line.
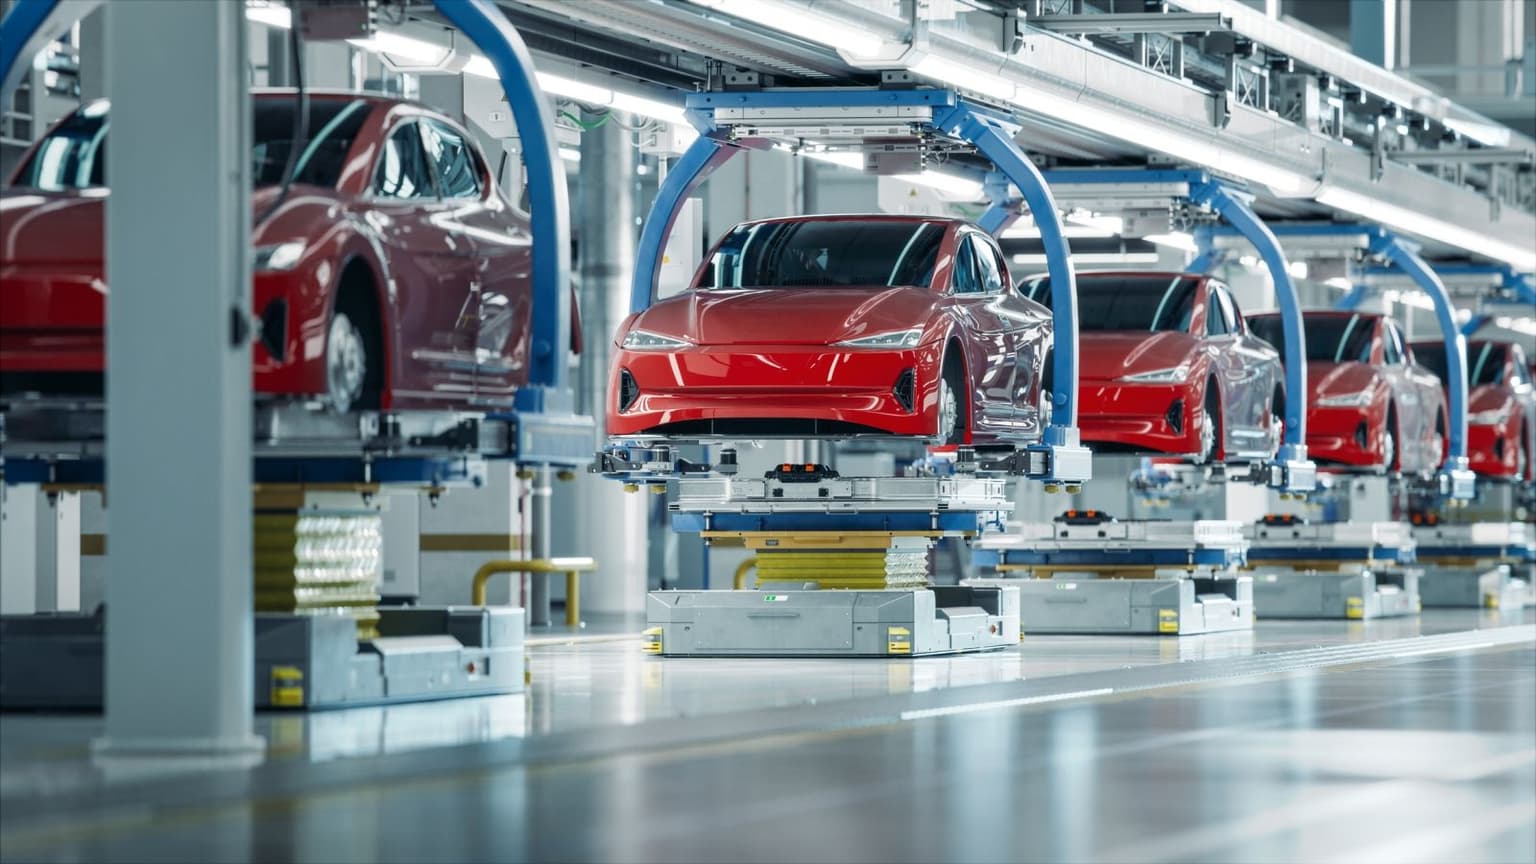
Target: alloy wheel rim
pixel 949 409
pixel 346 363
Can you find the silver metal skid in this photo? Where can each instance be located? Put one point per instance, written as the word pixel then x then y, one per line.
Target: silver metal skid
pixel 1280 592
pixel 1490 586
pixel 831 623
pixel 55 661
pixel 1161 606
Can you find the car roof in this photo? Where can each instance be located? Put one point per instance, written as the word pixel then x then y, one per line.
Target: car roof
pixel 1122 274
pixel 313 93
pixel 862 217
pixel 1321 313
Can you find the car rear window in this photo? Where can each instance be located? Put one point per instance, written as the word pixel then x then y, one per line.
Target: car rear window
pixel 852 253
pixel 1330 338
pixel 1149 303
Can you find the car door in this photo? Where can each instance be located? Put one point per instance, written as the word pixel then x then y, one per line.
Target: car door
pixel 1415 409
pixel 975 291
pixel 432 270
pixel 1025 324
pixel 1218 344
pixel 503 245
pixel 1254 369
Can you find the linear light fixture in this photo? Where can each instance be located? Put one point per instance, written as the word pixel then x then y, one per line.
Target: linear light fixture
pixel 950 183
pixel 1035 260
pixel 1414 222
pixel 1176 240
pixel 791 18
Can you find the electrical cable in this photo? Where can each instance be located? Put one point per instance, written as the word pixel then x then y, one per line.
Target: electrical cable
pixel 300 133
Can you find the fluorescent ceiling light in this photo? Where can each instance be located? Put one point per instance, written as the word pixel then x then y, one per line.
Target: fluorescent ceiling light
pixel 1297 269
pixel 1176 240
pixel 1519 325
pixel 796 19
pixel 1025 230
pixel 965 77
pixel 1109 226
pixel 1340 283
pixel 570 154
pixel 1415 222
pixel 944 183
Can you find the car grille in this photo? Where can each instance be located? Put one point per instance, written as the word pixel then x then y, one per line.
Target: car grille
pixel 629 391
pixel 905 390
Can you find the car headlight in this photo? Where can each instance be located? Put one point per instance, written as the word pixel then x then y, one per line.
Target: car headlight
pixel 894 339
pixel 1352 400
pixel 1176 375
pixel 281 256
pixel 1489 418
pixel 644 340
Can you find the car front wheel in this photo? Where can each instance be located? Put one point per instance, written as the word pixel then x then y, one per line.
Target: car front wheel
pixel 346 364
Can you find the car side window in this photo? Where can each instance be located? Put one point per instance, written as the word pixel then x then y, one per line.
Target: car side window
pixel 986 265
pixel 402 171
pixel 457 172
pixel 964 279
pixel 1215 313
pixel 1230 311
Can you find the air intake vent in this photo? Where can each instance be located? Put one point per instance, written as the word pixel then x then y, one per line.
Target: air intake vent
pixel 905 390
pixel 1175 416
pixel 629 391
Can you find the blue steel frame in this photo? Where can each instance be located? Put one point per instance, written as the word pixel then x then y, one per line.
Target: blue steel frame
pixel 1457 481
pixel 989 131
pixel 548 387
pixel 1231 203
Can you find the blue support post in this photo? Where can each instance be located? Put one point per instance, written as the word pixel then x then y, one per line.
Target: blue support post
pixel 1456 480
pixel 1297 474
pixel 28 28
pixel 994 140
pixel 1353 299
pixel 700 160
pixel 1474 324
pixel 1004 209
pixel 1208 256
pixel 489 30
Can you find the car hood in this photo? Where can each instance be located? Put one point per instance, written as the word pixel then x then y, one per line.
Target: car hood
pixel 1338 379
pixel 1111 354
pixel 787 316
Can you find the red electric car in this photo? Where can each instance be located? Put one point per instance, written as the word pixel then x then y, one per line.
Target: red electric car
pixel 1370 406
pixel 1501 406
pixel 394 275
pixel 837 326
pixel 1168 366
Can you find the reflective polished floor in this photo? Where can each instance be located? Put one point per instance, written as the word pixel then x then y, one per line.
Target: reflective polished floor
pixel 1413 757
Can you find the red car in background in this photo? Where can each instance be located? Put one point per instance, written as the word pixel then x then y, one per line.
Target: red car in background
pixel 1501 406
pixel 394 275
pixel 838 326
pixel 1168 366
pixel 1370 406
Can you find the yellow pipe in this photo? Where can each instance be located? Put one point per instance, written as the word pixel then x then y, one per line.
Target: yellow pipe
pixel 740 579
pixel 571 567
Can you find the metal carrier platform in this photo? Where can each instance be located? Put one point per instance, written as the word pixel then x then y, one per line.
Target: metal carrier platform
pixel 1481 564
pixel 1334 570
pixel 1086 573
pixel 54 662
pixel 842 564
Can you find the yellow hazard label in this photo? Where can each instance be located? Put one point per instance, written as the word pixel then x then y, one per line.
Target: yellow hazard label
pixel 652 640
pixel 898 640
pixel 1491 600
pixel 1354 607
pixel 1167 620
pixel 286 687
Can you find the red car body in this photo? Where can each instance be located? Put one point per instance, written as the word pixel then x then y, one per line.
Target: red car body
pixel 1501 406
pixel 1166 365
pixel 392 218
pixel 759 346
pixel 1370 405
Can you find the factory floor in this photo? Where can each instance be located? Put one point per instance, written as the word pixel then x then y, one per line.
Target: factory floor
pixel 1392 740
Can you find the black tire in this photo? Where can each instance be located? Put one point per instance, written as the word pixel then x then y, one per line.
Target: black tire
pixel 1210 406
pixel 954 384
pixel 357 306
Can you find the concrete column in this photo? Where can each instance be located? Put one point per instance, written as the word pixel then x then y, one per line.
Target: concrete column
pixel 93 56
pixel 179 653
pixel 614 523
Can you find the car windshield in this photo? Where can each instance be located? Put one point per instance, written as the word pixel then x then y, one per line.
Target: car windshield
pixel 1432 357
pixel 1330 338
pixel 1150 303
pixel 826 254
pixel 74 155
pixel 1486 362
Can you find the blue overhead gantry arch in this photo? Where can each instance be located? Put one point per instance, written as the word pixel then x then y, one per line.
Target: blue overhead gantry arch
pixel 1455 479
pixel 990 132
pixel 1291 470
pixel 558 439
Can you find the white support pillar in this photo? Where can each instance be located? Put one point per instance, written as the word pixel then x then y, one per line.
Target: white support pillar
pixel 39 551
pixel 179 665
